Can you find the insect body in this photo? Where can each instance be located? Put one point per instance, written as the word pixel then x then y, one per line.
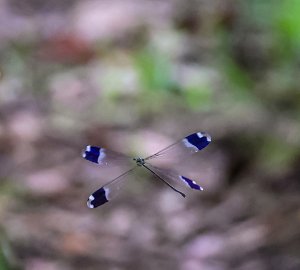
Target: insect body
pixel 189 145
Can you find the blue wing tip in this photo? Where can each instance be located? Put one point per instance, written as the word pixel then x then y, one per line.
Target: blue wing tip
pixel 94 154
pixel 192 184
pixel 98 198
pixel 204 134
pixel 198 140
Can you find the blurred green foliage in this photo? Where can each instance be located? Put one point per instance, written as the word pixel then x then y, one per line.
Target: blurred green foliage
pixel 286 28
pixel 6 257
pixel 154 70
pixel 275 155
pixel 199 98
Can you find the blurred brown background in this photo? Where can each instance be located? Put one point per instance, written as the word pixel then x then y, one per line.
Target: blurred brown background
pixel 134 76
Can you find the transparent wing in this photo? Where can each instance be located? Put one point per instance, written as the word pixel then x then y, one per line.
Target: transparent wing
pixel 189 145
pixel 105 157
pixel 110 190
pixel 173 178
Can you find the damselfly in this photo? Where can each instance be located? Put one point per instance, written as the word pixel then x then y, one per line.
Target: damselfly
pixel 189 145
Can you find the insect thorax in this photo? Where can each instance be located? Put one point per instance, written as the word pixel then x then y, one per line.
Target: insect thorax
pixel 139 161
